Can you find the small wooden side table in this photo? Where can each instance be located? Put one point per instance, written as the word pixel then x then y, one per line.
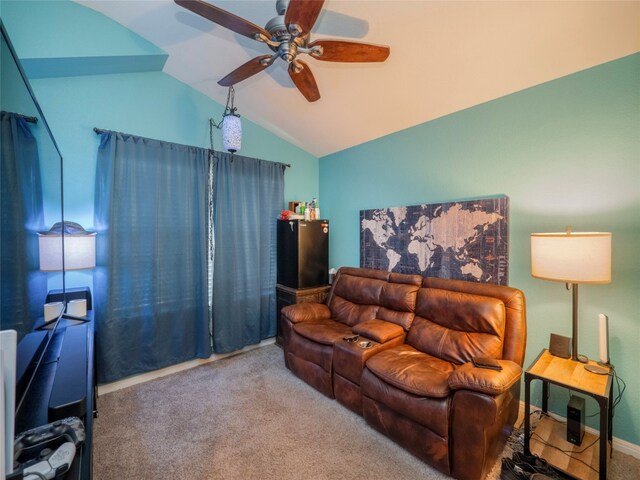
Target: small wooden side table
pixel 290 296
pixel 572 375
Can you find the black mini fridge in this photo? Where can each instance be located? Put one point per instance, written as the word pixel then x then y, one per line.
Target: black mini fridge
pixel 303 253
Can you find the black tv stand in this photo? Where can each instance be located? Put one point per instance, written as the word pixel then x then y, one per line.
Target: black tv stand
pixel 64 385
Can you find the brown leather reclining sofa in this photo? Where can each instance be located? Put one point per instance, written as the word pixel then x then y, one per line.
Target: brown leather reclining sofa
pixel 416 383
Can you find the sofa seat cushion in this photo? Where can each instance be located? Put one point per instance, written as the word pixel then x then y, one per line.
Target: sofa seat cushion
pixel 326 331
pixel 432 413
pixel 412 371
pixel 312 352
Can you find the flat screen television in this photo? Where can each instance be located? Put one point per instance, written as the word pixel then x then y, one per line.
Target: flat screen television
pixel 32 201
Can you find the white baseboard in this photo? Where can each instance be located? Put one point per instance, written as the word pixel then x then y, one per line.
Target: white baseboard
pixel 145 377
pixel 619 445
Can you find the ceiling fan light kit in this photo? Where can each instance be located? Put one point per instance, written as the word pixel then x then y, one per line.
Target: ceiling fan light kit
pixel 287 35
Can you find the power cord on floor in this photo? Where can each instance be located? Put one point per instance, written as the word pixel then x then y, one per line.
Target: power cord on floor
pixel 545 414
pixel 515 441
pixel 567 452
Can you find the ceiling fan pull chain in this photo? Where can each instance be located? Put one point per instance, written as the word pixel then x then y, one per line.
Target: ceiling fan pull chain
pixel 231 95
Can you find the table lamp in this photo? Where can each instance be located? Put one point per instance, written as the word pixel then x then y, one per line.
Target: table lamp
pixel 76 252
pixel 572 258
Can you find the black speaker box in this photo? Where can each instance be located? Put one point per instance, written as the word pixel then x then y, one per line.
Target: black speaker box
pixel 559 346
pixel 575 420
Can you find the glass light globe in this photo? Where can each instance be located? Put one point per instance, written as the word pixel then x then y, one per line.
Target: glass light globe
pixel 231 133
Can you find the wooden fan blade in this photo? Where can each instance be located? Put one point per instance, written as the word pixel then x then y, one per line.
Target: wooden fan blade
pixel 223 18
pixel 303 13
pixel 253 66
pixel 304 80
pixel 341 51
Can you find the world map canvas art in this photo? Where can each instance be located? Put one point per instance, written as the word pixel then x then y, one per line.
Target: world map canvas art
pixel 459 240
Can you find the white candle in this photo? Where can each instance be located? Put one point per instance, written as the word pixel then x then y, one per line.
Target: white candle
pixel 603 338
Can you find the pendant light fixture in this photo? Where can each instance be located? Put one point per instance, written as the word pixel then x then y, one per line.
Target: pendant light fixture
pixel 230 125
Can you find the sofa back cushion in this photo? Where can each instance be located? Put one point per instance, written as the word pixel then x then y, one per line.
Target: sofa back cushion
pixel 360 294
pixel 456 326
pixel 362 290
pixel 515 333
pixel 398 304
pixel 351 313
pixel 355 299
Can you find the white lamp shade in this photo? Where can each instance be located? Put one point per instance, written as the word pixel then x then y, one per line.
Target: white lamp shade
pixel 79 252
pixel 231 133
pixel 575 257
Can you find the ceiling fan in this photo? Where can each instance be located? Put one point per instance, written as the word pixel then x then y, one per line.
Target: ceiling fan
pixel 287 35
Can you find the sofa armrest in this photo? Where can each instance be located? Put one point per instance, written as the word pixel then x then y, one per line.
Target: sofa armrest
pixel 378 330
pixel 483 380
pixel 305 312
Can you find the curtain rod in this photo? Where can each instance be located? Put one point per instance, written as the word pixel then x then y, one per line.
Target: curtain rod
pixel 100 131
pixel 26 118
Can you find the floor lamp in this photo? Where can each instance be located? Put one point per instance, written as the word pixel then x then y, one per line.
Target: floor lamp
pixel 572 258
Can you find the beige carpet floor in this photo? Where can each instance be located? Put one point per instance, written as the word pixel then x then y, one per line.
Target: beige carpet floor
pixel 247 417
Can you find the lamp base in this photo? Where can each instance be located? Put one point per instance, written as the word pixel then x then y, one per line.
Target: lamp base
pixel 597 370
pixel 72 320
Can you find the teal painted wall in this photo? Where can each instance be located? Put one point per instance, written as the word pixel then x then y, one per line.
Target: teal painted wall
pixel 70 30
pixel 566 153
pixel 150 104
pixel 15 97
pixel 59 49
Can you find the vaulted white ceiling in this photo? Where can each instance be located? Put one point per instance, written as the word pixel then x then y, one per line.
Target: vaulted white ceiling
pixel 445 56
